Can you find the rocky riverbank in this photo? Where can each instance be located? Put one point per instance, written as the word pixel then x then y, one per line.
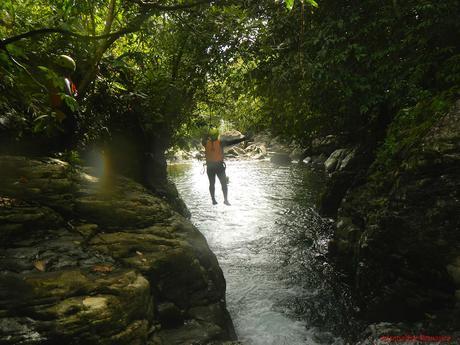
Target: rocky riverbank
pixel 91 259
pixel 259 147
pixel 397 230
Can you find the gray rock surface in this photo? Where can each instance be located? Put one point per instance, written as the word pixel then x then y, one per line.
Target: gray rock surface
pixel 231 135
pixel 339 160
pixel 88 260
pixel 257 150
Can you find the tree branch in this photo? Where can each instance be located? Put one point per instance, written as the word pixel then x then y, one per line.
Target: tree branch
pixel 129 29
pixel 100 49
pixel 164 8
pixel 46 31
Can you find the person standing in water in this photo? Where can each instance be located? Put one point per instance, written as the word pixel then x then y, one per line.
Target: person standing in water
pixel 215 165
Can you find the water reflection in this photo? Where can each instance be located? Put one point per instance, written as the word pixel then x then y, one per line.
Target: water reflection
pixel 263 273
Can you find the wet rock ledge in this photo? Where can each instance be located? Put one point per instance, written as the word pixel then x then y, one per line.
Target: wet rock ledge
pixel 87 260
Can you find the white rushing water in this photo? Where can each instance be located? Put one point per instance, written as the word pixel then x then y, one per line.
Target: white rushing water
pixel 245 238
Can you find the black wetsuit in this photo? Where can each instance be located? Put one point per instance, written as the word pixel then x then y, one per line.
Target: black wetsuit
pixel 213 169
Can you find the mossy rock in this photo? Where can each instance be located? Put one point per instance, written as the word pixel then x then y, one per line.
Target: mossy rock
pixel 88 260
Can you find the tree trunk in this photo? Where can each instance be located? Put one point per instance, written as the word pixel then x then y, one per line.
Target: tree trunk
pixel 100 50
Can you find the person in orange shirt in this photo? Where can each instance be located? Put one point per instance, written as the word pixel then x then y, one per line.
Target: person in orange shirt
pixel 215 165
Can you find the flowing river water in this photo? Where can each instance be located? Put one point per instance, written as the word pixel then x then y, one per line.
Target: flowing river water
pixel 271 245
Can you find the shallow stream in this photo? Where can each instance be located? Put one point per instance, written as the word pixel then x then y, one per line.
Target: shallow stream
pixel 271 245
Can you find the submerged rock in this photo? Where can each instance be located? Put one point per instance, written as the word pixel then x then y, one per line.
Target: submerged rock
pixel 101 261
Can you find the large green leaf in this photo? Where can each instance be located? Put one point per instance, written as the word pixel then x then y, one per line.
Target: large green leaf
pixel 289 4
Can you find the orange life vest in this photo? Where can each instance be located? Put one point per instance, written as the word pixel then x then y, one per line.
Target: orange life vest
pixel 214 151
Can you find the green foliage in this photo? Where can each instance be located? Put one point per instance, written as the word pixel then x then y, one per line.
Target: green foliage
pixel 296 68
pixel 146 83
pixel 408 129
pixel 230 98
pixel 290 3
pixel 348 68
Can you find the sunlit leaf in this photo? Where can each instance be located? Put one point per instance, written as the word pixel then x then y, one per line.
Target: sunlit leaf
pixel 118 86
pixel 289 4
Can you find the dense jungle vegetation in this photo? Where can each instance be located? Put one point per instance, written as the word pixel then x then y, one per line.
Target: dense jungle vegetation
pixel 151 73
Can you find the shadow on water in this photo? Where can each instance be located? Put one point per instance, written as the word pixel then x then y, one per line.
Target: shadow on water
pixel 271 245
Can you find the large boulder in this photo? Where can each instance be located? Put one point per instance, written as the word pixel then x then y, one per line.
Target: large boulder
pixel 339 160
pixel 231 135
pixel 342 167
pixel 87 260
